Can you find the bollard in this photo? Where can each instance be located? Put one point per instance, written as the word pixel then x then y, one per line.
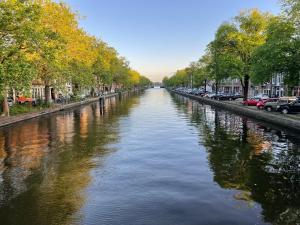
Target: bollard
pixel 102 104
pixel 102 101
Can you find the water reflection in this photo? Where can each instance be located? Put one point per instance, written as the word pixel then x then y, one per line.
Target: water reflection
pixel 45 163
pixel 261 162
pixel 149 159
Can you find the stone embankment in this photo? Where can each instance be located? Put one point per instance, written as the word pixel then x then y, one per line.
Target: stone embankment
pixel 5 121
pixel 286 121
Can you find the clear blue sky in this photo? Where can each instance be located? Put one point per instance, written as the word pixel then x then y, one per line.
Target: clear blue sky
pixel 160 36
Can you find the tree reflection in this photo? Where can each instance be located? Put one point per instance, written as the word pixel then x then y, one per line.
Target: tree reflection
pixel 45 163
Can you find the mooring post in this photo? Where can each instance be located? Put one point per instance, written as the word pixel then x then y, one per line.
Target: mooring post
pixel 102 104
pixel 101 100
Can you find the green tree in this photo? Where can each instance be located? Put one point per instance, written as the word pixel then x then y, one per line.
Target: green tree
pixel 241 39
pixel 203 75
pixel 102 64
pixel 144 82
pixel 280 54
pixel 19 36
pixel 223 59
pixel 179 79
pixel 291 9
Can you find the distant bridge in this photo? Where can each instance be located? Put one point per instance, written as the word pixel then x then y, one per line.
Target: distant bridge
pixel 157 84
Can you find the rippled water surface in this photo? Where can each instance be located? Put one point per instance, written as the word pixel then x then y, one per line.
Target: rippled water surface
pixel 153 158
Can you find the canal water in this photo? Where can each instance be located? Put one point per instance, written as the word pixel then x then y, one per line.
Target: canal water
pixel 153 158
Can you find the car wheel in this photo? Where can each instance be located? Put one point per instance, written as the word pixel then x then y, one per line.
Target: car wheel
pixel 230 99
pixel 260 107
pixel 285 111
pixel 269 109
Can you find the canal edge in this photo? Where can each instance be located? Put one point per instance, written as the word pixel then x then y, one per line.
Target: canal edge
pixel 28 116
pixel 240 110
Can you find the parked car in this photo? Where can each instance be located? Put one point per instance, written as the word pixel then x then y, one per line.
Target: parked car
pixel 291 107
pixel 272 106
pixel 195 91
pixel 199 92
pixel 251 101
pixel 262 102
pixel 23 99
pixel 262 96
pixel 227 96
pixel 209 95
pixel 237 95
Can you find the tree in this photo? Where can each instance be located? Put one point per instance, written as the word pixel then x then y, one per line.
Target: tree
pixel 165 81
pixel 291 10
pixel 19 36
pixel 41 40
pixel 144 81
pixel 134 78
pixel 102 64
pixel 67 54
pixel 120 69
pixel 204 74
pixel 222 57
pixel 280 54
pixel 234 45
pixel 179 79
pixel 241 39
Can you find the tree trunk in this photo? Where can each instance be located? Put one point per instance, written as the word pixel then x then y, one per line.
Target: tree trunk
pixel 14 96
pixel 47 93
pixel 92 92
pixel 216 91
pixel 205 82
pixel 5 103
pixel 246 87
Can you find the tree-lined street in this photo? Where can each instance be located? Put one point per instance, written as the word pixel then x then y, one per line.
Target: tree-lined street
pixel 253 47
pixel 41 42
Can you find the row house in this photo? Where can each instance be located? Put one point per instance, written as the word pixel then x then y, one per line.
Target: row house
pixel 38 90
pixel 230 85
pixel 66 90
pixel 275 87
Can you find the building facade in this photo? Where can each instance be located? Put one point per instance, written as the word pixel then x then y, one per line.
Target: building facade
pixel 275 87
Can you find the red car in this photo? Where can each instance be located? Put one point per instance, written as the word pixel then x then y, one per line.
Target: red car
pixel 251 101
pixel 23 99
pixel 262 102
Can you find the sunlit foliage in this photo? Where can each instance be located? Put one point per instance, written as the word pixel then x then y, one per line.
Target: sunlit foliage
pixel 42 40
